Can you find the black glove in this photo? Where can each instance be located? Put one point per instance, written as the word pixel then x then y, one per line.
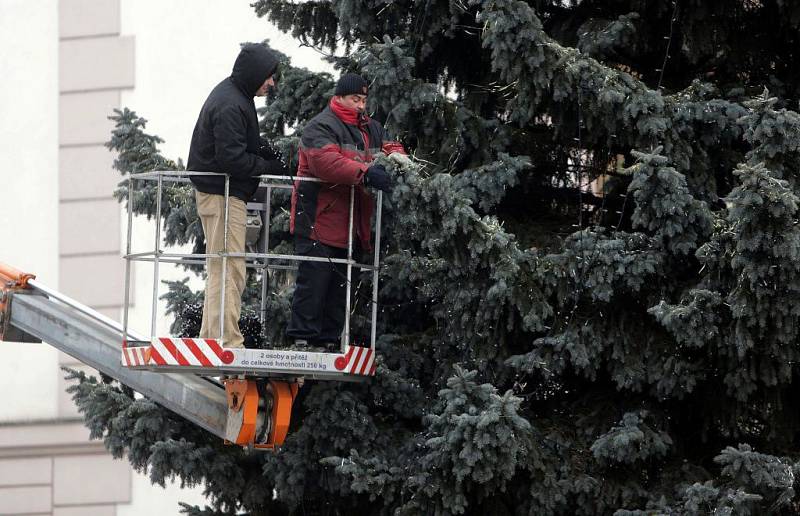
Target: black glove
pixel 276 164
pixel 269 153
pixel 276 168
pixel 377 177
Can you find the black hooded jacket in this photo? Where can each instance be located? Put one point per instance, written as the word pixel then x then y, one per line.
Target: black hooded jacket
pixel 226 136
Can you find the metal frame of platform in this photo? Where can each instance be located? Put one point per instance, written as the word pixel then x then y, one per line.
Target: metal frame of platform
pixel 182 355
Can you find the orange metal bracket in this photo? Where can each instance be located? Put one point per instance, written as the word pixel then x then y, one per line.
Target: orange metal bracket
pixel 13 278
pixel 283 394
pixel 235 391
pixel 243 396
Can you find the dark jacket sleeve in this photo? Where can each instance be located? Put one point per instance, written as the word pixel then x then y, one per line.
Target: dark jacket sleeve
pixel 230 145
pixel 274 167
pixel 325 159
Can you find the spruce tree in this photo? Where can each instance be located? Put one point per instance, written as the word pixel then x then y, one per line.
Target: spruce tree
pixel 590 292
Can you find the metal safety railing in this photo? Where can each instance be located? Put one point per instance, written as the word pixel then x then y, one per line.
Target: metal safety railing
pixel 263 260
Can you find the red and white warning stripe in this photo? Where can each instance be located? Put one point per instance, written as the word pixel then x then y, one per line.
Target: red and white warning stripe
pixel 189 352
pixel 358 360
pixel 135 356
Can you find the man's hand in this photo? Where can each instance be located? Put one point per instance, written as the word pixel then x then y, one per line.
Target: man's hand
pixel 276 164
pixel 268 152
pixel 377 177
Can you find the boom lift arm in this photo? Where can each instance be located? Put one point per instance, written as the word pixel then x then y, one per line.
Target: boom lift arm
pixel 239 413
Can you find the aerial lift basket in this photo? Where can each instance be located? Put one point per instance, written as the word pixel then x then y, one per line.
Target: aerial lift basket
pixel 261 384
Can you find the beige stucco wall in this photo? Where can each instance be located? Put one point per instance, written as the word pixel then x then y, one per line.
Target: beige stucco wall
pixel 29 186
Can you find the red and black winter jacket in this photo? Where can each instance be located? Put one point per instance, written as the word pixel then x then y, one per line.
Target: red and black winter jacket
pixel 337 147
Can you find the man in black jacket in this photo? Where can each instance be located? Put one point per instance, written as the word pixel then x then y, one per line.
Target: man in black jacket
pixel 226 139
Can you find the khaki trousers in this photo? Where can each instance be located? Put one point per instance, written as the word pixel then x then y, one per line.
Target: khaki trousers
pixel 211 209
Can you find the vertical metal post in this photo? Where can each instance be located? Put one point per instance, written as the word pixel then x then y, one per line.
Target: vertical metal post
pixel 127 265
pixel 375 262
pixel 265 250
pixel 156 255
pixel 224 263
pixel 346 337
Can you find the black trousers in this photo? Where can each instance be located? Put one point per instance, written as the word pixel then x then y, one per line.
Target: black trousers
pixel 319 294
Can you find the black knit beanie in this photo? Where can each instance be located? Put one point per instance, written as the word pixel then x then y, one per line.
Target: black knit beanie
pixel 351 84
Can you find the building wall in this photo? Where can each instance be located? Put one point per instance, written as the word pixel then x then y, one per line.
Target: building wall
pixel 52 468
pixel 29 185
pixel 95 65
pixel 66 64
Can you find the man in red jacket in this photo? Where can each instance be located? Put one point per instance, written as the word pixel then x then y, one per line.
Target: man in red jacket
pixel 337 146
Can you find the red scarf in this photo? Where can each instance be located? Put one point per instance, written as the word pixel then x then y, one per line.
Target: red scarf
pixel 349 116
pixel 352 117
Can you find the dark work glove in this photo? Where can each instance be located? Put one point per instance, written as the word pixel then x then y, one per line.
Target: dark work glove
pixel 276 168
pixel 268 152
pixel 276 164
pixel 377 177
